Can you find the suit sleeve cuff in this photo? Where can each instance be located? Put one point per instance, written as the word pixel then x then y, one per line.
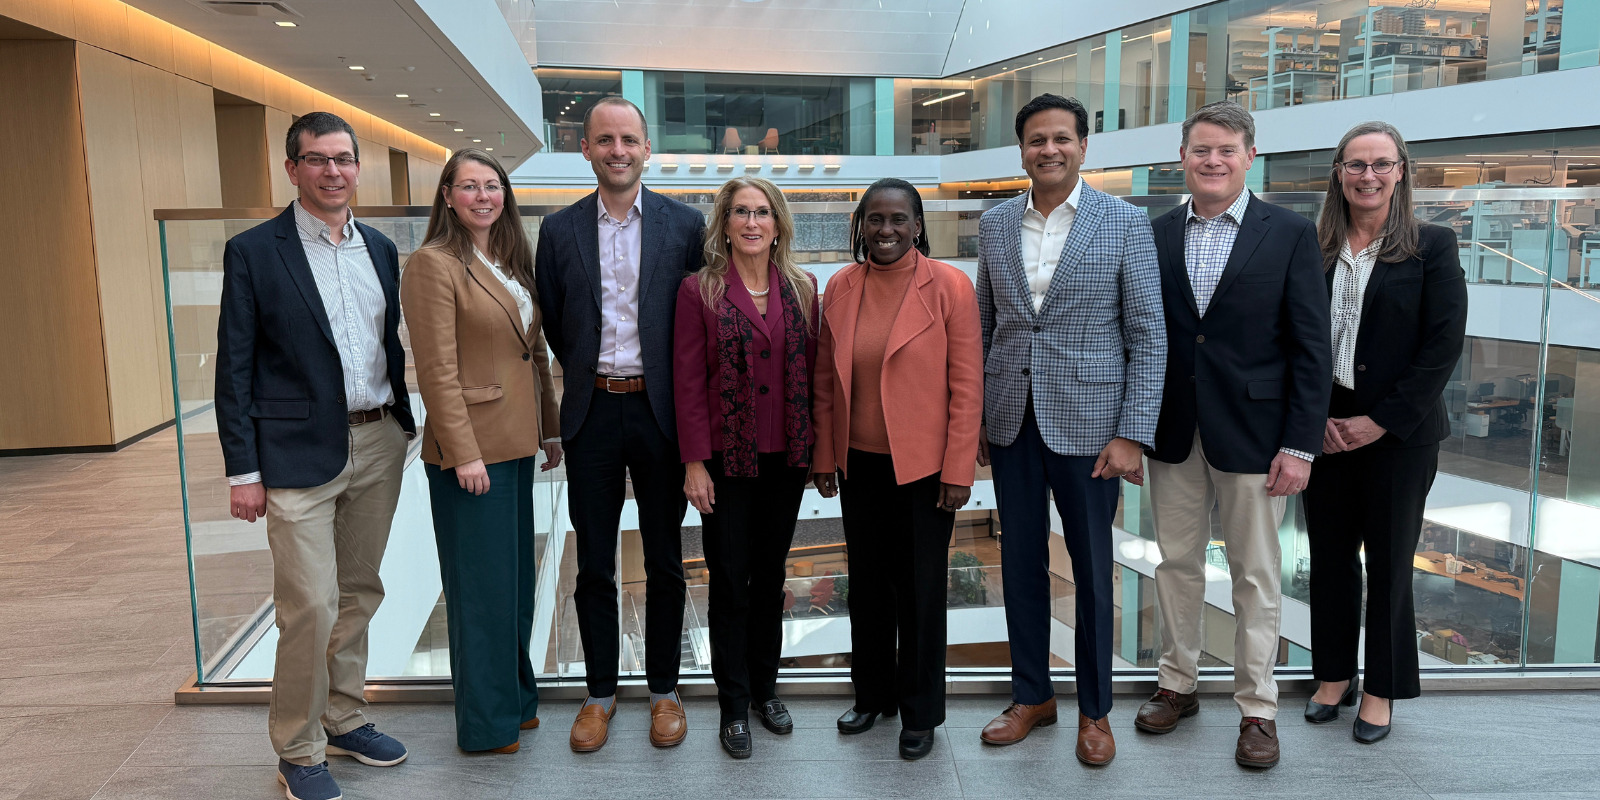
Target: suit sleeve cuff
pixel 556 439
pixel 245 479
pixel 1300 454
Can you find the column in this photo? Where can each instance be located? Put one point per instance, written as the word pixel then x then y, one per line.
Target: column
pixel 1178 69
pixel 1580 34
pixel 884 112
pixel 1113 78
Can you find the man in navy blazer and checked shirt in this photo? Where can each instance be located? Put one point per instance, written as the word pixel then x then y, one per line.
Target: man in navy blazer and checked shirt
pixel 1075 346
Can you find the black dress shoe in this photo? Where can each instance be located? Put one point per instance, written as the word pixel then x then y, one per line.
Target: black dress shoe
pixel 855 721
pixel 1318 713
pixel 736 738
pixel 915 744
pixel 1368 733
pixel 774 716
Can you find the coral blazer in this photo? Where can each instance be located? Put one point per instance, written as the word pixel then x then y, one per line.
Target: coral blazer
pixel 932 375
pixel 485 381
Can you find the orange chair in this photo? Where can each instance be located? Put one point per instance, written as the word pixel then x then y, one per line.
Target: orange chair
pixel 770 143
pixel 731 143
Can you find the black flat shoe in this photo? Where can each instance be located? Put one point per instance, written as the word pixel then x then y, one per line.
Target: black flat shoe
pixel 1368 733
pixel 774 716
pixel 855 721
pixel 1318 713
pixel 736 739
pixel 915 744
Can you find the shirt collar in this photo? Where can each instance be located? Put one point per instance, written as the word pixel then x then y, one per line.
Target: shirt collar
pixel 1370 253
pixel 316 228
pixel 1071 202
pixel 636 211
pixel 1234 211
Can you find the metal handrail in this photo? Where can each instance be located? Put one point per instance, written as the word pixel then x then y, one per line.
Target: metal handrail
pixel 929 206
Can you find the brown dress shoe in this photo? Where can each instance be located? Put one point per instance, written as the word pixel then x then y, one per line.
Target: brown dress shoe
pixel 534 723
pixel 590 729
pixel 1014 723
pixel 667 724
pixel 1160 714
pixel 507 750
pixel 1258 743
pixel 1096 746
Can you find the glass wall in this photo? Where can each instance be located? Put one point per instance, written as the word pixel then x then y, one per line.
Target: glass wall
pixel 568 94
pixel 1507 572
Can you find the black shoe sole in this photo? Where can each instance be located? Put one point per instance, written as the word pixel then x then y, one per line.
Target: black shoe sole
pixel 910 756
pixel 745 753
pixel 868 726
pixel 770 725
pixel 1148 728
pixel 1245 762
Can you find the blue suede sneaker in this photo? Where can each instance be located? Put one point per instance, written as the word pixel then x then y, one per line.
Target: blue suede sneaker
pixel 366 745
pixel 307 783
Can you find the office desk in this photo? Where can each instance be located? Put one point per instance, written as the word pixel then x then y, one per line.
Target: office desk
pixel 1432 562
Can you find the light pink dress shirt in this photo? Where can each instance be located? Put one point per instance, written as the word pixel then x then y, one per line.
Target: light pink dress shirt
pixel 620 243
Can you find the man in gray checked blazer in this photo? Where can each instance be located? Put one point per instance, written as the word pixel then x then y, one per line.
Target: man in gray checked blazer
pixel 1075 347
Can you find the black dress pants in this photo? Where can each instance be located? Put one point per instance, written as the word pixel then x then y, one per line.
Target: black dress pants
pixel 899 550
pixel 1373 498
pixel 747 538
pixel 620 439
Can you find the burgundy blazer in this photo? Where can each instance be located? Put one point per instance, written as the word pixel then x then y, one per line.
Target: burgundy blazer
pixel 694 366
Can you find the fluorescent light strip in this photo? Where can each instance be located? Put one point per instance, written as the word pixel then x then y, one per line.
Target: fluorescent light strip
pixel 946 97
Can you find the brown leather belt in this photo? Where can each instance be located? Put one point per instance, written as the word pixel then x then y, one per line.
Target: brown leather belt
pixel 619 385
pixel 370 415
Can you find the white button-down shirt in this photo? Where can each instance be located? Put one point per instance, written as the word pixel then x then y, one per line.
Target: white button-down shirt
pixel 1207 243
pixel 1042 240
pixel 620 242
pixel 353 298
pixel 1350 278
pixel 519 293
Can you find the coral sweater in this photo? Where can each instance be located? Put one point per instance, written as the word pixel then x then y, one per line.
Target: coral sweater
pixel 883 292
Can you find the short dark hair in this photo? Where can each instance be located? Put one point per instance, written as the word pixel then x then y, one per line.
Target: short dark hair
pixel 614 100
pixel 1226 114
pixel 319 123
pixel 858 239
pixel 1047 101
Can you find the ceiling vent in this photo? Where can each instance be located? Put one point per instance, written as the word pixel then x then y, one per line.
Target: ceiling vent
pixel 247 8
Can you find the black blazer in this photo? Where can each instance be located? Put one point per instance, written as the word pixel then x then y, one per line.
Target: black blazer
pixel 280 386
pixel 1413 325
pixel 566 266
pixel 1256 372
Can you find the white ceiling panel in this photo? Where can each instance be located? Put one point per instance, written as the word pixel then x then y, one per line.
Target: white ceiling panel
pixel 813 37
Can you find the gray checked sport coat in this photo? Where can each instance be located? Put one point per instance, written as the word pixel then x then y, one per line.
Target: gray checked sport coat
pixel 1094 354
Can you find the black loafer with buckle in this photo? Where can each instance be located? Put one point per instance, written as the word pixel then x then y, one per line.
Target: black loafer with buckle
pixel 735 738
pixel 774 716
pixel 856 721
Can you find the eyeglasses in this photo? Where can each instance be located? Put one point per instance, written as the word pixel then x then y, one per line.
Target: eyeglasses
pixel 318 161
pixel 742 214
pixel 1358 167
pixel 472 188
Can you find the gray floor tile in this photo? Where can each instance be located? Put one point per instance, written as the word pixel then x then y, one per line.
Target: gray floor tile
pixel 205 750
pixel 1485 773
pixel 726 778
pixel 213 783
pixel 1189 777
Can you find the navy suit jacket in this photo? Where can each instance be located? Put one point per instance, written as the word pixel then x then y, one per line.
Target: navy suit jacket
pixel 1255 373
pixel 280 386
pixel 567 269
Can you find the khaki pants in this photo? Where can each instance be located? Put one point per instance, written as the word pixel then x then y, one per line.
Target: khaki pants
pixel 327 542
pixel 1181 497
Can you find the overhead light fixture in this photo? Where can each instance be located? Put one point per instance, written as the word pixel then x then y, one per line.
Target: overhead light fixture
pixel 433 113
pixel 490 149
pixel 402 95
pixel 476 141
pixel 780 168
pixel 807 167
pixel 283 23
pixel 830 168
pixel 669 167
pixel 724 167
pixel 946 97
pixel 357 67
pixel 460 130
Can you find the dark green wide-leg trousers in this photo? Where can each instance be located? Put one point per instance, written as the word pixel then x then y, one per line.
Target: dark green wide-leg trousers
pixel 486 561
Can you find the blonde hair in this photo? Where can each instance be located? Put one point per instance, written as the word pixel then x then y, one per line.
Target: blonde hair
pixel 714 275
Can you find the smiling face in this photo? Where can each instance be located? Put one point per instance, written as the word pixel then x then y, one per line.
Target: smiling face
pixel 1370 192
pixel 475 206
pixel 1052 152
pixel 328 188
pixel 616 145
pixel 750 232
pixel 889 224
pixel 1215 161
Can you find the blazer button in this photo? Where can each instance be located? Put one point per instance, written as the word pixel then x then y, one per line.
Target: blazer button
pixel 764 390
pixel 1036 329
pixel 1361 368
pixel 591 370
pixel 526 356
pixel 1191 379
pixel 1201 339
pixel 341 399
pixel 766 353
pixel 1027 371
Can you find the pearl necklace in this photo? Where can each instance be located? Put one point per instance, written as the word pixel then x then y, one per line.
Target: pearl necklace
pixel 754 293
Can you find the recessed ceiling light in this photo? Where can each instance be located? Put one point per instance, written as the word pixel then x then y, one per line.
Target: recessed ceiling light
pixel 353 66
pixel 433 113
pixel 402 95
pixel 459 130
pixel 490 149
pixel 283 23
pixel 475 141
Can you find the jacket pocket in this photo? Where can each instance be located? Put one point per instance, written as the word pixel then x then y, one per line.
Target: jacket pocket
pixel 1260 276
pixel 991 366
pixel 280 409
pixel 481 394
pixel 1265 390
pixel 1100 371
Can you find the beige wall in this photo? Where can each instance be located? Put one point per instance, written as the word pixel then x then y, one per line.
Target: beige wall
pixel 373 188
pixel 242 156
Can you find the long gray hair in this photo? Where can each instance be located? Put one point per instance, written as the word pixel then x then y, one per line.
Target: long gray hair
pixel 714 275
pixel 1399 229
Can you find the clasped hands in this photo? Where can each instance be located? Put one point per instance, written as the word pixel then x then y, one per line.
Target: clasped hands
pixel 1344 435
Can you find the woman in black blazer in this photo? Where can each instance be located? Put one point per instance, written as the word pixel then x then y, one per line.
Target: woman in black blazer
pixel 1399 310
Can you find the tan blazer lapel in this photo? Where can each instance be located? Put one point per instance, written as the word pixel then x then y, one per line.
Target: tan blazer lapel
pixel 484 276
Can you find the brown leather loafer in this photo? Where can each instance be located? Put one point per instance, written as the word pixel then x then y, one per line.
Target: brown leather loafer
pixel 1014 723
pixel 1258 743
pixel 534 723
pixel 667 724
pixel 1160 714
pixel 507 750
pixel 592 727
pixel 1096 746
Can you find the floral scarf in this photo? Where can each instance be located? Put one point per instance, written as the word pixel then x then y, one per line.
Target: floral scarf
pixel 736 354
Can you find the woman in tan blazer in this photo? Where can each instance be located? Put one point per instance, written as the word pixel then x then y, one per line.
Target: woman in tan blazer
pixel 898 401
pixel 469 301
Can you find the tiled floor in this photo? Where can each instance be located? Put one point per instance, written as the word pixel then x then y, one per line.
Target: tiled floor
pixel 95 636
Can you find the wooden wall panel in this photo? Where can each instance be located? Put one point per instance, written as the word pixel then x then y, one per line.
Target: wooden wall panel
pixel 102 23
pixel 278 123
pixel 119 216
pixel 197 123
pixel 276 89
pixel 424 179
pixel 399 178
pixel 242 156
pixel 374 190
pixel 52 15
pixel 224 68
pixel 54 392
pixel 191 56
pixel 161 164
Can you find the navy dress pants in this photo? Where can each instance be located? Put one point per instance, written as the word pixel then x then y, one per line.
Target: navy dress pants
pixel 1024 471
